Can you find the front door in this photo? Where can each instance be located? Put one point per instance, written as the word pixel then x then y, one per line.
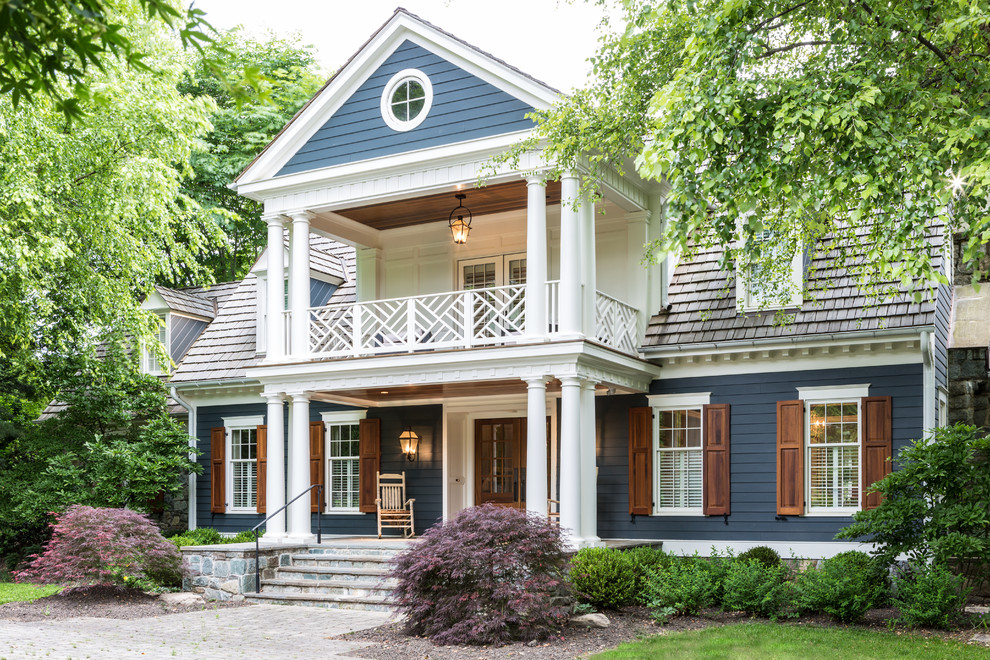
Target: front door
pixel 500 461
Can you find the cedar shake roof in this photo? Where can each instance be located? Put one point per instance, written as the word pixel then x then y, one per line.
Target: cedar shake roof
pixel 698 285
pixel 185 300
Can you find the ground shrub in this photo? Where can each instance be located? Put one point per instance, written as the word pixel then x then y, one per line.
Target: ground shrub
pixel 603 577
pixel 844 587
pixel 104 546
pixel 490 575
pixel 757 589
pixel 208 536
pixel 687 586
pixel 247 536
pixel 646 557
pixel 928 595
pixel 761 553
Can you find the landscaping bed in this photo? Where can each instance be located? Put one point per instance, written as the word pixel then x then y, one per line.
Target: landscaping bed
pixel 101 601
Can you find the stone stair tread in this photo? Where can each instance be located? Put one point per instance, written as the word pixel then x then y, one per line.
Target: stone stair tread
pixel 319 556
pixel 332 570
pixel 349 584
pixel 328 598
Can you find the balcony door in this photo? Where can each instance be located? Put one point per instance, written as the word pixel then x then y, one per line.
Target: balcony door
pixel 487 272
pixel 497 312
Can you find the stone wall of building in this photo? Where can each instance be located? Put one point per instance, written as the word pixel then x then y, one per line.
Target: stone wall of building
pixel 969 387
pixel 226 572
pixel 171 512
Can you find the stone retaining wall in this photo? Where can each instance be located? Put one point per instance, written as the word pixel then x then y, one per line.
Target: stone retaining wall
pixel 969 387
pixel 225 572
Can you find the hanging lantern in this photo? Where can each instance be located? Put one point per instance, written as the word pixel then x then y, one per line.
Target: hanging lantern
pixel 460 221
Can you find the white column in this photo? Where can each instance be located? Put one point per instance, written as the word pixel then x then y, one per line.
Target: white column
pixel 589 471
pixel 299 285
pixel 570 259
pixel 275 476
pixel 588 265
pixel 570 457
pixel 536 446
pixel 274 325
pixel 299 527
pixel 536 258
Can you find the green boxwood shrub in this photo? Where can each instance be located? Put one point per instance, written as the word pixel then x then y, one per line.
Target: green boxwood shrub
pixel 687 586
pixel 646 557
pixel 756 588
pixel 761 553
pixel 208 536
pixel 604 577
pixel 929 595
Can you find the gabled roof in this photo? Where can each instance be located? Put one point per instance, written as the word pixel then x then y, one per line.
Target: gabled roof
pixel 400 28
pixel 187 301
pixel 703 310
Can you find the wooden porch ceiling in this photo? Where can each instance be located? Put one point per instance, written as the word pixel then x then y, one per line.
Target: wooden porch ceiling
pixel 436 208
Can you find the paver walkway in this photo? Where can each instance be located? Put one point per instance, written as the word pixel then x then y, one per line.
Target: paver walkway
pixel 269 632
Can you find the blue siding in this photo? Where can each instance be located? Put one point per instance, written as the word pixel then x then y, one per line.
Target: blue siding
pixel 320 292
pixel 464 108
pixel 182 334
pixel 424 476
pixel 753 399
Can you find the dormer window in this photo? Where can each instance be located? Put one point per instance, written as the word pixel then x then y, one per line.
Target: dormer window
pixel 150 363
pixel 759 287
pixel 406 100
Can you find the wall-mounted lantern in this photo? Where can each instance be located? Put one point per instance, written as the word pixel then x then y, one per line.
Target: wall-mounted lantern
pixel 409 444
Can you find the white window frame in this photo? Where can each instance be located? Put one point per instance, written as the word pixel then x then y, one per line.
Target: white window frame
pixel 826 395
pixel 262 297
pixel 231 424
pixel 746 301
pixel 149 363
pixel 501 262
pixel 943 407
pixel 668 402
pixel 331 419
pixel 391 120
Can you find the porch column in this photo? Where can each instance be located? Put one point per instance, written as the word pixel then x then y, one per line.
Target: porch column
pixel 274 324
pixel 299 285
pixel 570 260
pixel 536 446
pixel 589 470
pixel 570 457
pixel 275 470
pixel 536 258
pixel 300 527
pixel 588 266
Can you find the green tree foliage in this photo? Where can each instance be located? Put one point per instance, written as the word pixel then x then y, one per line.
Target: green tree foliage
pixel 287 75
pixel 936 503
pixel 857 121
pixel 111 443
pixel 49 48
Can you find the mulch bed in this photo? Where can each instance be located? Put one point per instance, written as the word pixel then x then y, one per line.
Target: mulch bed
pixel 99 601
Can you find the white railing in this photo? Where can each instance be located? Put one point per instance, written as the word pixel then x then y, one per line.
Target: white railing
pixel 553 306
pixel 616 323
pixel 458 319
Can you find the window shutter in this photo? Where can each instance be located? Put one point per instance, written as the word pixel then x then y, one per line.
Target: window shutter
pixel 877 445
pixel 218 472
pixel 641 461
pixel 316 466
pixel 262 437
pixel 790 458
pixel 369 433
pixel 716 460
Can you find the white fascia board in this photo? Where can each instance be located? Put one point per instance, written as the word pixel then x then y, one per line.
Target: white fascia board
pixel 834 392
pixel 242 421
pixel 365 63
pixel 685 400
pixel 343 416
pixel 154 302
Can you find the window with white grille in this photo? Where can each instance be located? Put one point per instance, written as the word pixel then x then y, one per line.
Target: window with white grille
pixel 833 456
pixel 152 365
pixel 343 461
pixel 678 465
pixel 244 468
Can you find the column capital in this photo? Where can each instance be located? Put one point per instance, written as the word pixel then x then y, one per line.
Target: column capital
pixel 274 219
pixel 536 381
pixel 299 395
pixel 273 397
pixel 569 174
pixel 535 178
pixel 300 216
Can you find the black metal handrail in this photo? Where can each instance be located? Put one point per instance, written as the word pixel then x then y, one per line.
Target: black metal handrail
pixel 257 536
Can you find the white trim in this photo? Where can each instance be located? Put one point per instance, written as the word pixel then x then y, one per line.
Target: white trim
pixel 943 407
pixel 243 422
pixel 679 400
pixel 343 416
pixel 832 392
pixel 787 550
pixel 388 115
pixel 795 285
pixel 338 418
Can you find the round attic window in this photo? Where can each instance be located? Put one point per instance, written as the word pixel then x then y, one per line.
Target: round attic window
pixel 407 99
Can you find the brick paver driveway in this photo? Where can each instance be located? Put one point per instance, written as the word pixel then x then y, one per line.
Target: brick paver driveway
pixel 268 632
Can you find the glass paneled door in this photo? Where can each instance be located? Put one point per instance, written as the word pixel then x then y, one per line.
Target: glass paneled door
pixel 500 461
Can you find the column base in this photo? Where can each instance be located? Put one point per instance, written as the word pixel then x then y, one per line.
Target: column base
pixel 575 543
pixel 302 539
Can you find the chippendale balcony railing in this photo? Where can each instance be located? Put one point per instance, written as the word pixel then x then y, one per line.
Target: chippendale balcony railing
pixel 456 319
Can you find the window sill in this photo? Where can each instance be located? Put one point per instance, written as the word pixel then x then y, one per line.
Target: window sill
pixel 839 513
pixel 678 512
pixel 342 512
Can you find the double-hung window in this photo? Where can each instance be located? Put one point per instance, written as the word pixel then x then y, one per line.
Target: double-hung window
pixel 343 460
pixel 151 364
pixel 833 456
pixel 242 462
pixel 678 457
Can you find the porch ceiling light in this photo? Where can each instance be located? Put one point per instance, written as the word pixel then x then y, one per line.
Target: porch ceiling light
pixel 460 225
pixel 409 443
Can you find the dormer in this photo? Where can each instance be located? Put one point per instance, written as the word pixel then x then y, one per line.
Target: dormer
pixel 762 287
pixel 183 317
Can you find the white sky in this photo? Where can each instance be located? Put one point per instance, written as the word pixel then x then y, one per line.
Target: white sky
pixel 548 39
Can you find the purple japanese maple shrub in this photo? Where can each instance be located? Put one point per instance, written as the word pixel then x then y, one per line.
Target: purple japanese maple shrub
pixel 491 575
pixel 104 546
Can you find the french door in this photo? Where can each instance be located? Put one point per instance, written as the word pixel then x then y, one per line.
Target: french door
pixel 500 461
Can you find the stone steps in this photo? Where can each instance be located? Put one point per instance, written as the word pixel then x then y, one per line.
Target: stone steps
pixel 321 600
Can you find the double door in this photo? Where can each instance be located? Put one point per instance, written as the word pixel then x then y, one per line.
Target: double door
pixel 500 461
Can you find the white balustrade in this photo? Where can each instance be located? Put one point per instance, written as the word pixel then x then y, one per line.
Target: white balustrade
pixel 617 323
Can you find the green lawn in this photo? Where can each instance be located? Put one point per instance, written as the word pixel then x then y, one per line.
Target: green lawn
pixel 10 592
pixel 767 641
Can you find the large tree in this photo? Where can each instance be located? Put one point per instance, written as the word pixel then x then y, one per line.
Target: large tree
pixel 286 75
pixel 856 121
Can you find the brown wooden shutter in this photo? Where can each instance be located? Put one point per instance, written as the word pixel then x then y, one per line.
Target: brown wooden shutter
pixel 877 445
pixel 641 461
pixel 370 434
pixel 716 459
pixel 218 472
pixel 316 470
pixel 262 437
pixel 790 458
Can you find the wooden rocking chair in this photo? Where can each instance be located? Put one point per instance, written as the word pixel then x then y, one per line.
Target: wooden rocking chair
pixel 394 510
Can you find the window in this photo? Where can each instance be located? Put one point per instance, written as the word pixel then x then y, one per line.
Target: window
pixel 485 272
pixel 759 287
pixel 833 455
pixel 242 462
pixel 943 407
pixel 150 363
pixel 406 100
pixel 678 452
pixel 343 459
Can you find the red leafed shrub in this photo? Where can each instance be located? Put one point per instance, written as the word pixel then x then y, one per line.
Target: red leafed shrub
pixel 489 576
pixel 104 546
